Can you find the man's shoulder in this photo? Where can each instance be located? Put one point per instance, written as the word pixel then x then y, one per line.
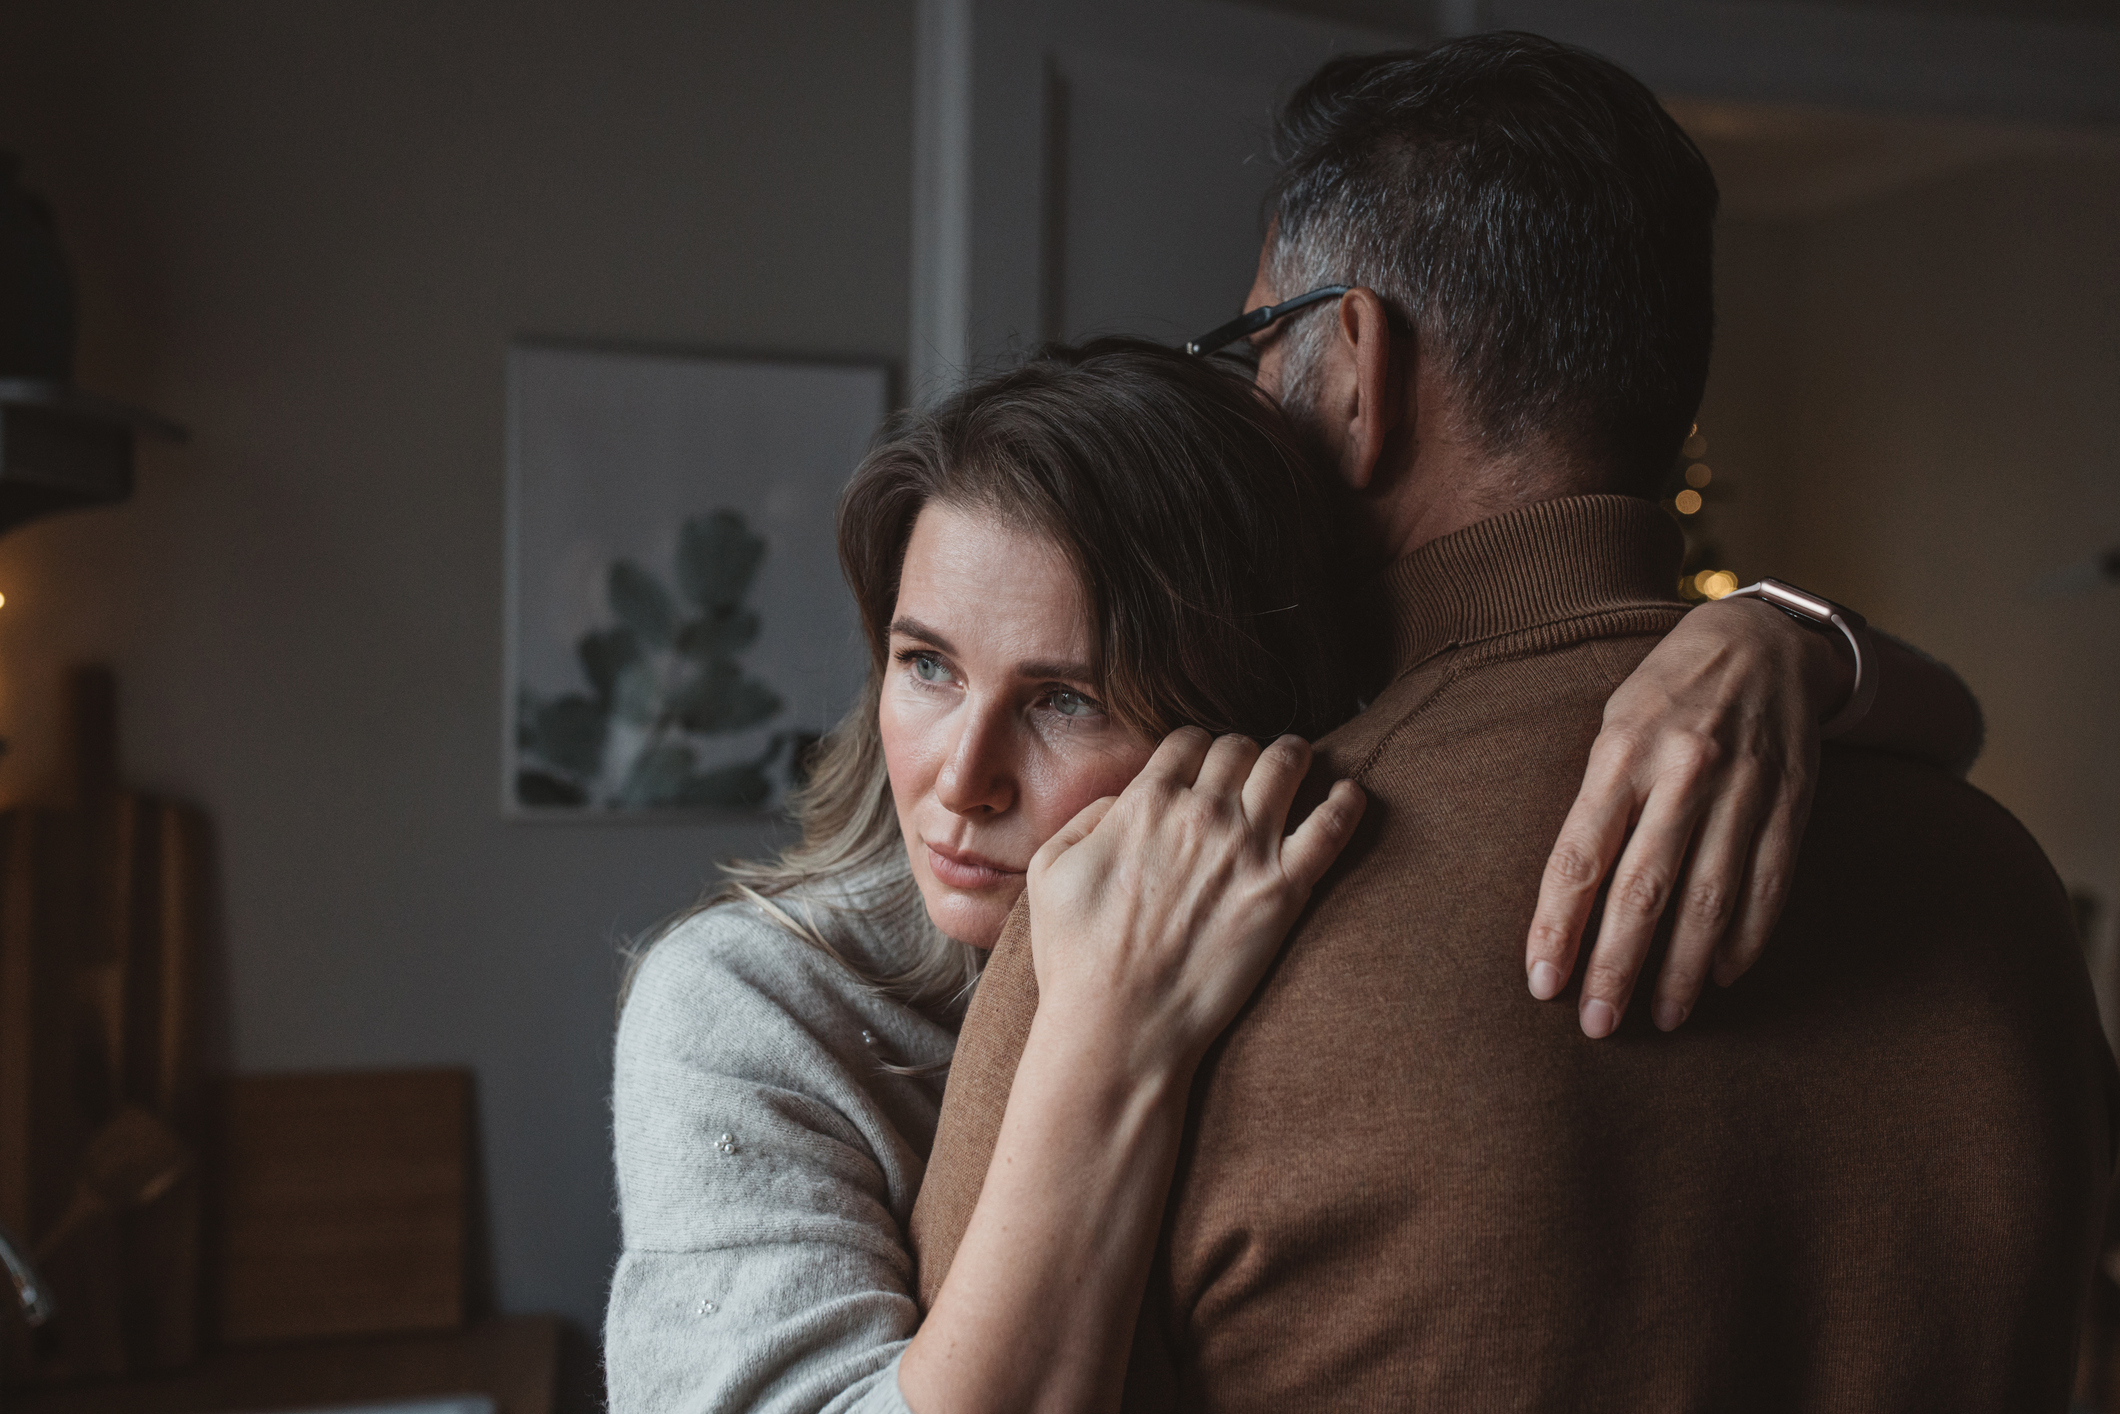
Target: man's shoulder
pixel 1469 762
pixel 1918 838
pixel 1520 685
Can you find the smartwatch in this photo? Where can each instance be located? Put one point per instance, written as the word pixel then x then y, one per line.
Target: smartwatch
pixel 1808 608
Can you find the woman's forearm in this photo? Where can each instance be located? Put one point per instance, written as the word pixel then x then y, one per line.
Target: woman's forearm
pixel 1038 1310
pixel 1923 709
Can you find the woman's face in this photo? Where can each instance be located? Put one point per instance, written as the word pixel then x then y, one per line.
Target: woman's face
pixel 991 726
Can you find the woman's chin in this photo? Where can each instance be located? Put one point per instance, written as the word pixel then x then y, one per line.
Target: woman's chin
pixel 972 918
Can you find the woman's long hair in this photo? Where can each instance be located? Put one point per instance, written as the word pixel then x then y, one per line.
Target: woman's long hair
pixel 1212 552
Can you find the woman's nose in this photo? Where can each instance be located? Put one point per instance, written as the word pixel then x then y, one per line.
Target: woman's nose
pixel 979 776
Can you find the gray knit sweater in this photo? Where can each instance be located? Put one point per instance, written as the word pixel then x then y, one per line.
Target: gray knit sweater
pixel 767 1165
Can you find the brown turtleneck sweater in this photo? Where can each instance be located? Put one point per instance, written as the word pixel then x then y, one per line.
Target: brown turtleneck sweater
pixel 1868 1177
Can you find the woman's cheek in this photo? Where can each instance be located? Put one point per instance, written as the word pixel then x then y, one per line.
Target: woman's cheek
pixel 1067 781
pixel 906 748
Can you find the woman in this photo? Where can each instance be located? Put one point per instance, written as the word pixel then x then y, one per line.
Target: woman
pixel 1091 588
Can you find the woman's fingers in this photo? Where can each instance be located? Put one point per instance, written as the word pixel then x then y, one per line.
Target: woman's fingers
pixel 1072 833
pixel 1641 885
pixel 1715 729
pixel 1767 875
pixel 1317 842
pixel 1707 900
pixel 1590 839
pixel 1226 766
pixel 1271 788
pixel 1175 764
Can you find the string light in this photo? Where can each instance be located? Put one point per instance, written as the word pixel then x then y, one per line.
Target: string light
pixel 1694 474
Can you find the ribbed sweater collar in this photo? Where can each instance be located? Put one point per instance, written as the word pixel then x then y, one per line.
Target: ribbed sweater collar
pixel 1546 563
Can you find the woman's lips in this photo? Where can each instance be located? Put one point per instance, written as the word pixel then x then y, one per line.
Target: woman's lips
pixel 962 869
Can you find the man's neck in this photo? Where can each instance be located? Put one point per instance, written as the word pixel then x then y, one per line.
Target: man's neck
pixel 1435 475
pixel 1444 490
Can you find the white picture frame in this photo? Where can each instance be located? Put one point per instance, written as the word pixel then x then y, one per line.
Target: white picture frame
pixel 677 630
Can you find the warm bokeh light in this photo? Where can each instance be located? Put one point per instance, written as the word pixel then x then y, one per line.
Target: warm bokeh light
pixel 1696 445
pixel 1698 474
pixel 1714 584
pixel 1688 502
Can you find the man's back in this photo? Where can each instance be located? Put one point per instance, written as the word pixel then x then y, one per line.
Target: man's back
pixel 1867 1177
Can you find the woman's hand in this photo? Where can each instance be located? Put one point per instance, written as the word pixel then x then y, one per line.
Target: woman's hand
pixel 1709 755
pixel 1155 913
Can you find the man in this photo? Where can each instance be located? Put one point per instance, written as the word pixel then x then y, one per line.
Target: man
pixel 1871 1178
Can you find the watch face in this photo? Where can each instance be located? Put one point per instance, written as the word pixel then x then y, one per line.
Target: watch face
pixel 1791 600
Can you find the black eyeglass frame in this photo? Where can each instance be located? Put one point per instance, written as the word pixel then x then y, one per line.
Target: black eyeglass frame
pixel 1252 321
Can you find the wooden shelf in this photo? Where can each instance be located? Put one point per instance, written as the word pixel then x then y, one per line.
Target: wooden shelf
pixel 513 1359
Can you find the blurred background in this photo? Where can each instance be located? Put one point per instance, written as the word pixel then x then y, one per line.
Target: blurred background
pixel 311 232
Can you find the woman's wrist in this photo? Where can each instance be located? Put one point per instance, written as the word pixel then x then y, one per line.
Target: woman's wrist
pixel 1122 1067
pixel 1823 663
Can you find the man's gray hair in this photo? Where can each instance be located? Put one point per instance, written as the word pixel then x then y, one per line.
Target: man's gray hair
pixel 1532 208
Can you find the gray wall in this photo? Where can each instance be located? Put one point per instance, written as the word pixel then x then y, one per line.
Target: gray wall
pixel 309 231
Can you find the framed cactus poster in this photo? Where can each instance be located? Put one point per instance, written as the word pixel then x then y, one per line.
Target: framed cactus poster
pixel 678 634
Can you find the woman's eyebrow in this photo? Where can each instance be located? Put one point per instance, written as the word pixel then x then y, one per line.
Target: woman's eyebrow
pixel 913 628
pixel 1065 672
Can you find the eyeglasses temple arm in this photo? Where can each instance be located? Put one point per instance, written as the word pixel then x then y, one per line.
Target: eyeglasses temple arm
pixel 1255 320
pixel 1223 335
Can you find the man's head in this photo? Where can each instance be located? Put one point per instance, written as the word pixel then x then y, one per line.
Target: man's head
pixel 1531 238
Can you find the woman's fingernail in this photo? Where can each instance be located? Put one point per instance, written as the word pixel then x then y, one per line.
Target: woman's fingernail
pixel 1669 1016
pixel 1545 981
pixel 1598 1018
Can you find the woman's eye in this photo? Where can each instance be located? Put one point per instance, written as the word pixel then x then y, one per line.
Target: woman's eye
pixel 928 668
pixel 1072 704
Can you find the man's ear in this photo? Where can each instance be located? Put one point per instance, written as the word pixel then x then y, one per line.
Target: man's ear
pixel 1374 402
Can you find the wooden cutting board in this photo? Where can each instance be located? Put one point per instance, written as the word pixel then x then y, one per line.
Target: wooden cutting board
pixel 339 1204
